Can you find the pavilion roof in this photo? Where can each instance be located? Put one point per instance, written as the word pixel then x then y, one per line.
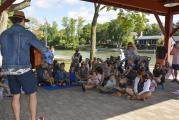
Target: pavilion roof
pixel 148 6
pixel 6 4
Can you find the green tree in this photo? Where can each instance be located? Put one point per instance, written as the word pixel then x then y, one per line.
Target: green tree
pixel 65 23
pixel 98 8
pixel 53 36
pixel 152 30
pixel 176 25
pixel 140 22
pixel 62 34
pixel 33 24
pixel 80 25
pixel 102 32
pixel 120 29
pixel 86 32
pixel 72 33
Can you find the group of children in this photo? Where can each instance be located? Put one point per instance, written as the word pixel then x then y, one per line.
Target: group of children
pixel 52 74
pixel 132 77
pixel 111 76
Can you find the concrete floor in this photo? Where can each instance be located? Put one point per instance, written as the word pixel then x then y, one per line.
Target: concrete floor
pixel 73 104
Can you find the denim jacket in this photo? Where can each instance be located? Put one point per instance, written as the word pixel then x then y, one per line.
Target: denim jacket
pixel 15 45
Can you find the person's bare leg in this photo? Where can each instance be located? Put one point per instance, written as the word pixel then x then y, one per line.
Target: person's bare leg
pixel 144 96
pixel 33 105
pixel 172 73
pixel 130 92
pixel 175 74
pixel 90 86
pixel 16 106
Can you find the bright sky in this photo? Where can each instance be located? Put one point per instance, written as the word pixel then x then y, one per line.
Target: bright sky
pixel 55 10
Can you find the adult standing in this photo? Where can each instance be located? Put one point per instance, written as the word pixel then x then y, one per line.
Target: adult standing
pixel 76 59
pixel 15 45
pixel 175 61
pixel 130 52
pixel 161 54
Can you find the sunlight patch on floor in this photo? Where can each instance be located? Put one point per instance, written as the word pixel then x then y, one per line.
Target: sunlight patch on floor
pixel 167 110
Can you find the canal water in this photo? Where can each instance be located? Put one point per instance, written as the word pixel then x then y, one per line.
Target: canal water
pixel 67 54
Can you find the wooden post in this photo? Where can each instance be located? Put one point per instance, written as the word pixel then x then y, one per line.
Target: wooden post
pixel 168 31
pixel 160 24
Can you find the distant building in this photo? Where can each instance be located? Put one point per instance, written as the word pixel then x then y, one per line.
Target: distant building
pixel 149 42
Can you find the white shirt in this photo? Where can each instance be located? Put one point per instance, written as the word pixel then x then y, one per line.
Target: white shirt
pixel 146 87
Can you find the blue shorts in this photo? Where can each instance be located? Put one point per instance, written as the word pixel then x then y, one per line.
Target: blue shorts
pixel 175 66
pixel 27 82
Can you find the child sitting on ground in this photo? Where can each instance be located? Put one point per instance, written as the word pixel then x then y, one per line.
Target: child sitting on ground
pixel 153 85
pixel 107 71
pixel 168 70
pixel 121 87
pixel 109 87
pixel 44 75
pixel 48 77
pixel 72 75
pixel 61 75
pixel 130 73
pixel 4 88
pixel 141 89
pixel 83 73
pixel 94 80
pixel 159 75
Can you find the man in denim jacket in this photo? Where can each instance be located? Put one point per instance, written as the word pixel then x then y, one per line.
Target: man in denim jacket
pixel 15 45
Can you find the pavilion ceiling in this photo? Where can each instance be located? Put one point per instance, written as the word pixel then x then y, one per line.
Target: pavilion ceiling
pixel 148 6
pixel 6 4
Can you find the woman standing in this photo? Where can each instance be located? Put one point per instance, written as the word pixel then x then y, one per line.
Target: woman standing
pixel 161 54
pixel 131 51
pixel 175 61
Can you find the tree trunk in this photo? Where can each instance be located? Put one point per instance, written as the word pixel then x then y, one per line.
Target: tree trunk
pixel 93 32
pixel 3 21
pixel 4 15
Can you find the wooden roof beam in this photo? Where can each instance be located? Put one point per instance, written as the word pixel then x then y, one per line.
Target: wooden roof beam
pixel 6 4
pixel 160 23
pixel 175 10
pixel 136 5
pixel 142 4
pixel 175 30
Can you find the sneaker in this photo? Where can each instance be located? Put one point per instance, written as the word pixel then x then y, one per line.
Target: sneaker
pixel 64 84
pixel 41 118
pixel 174 80
pixel 83 88
pixel 177 81
pixel 60 84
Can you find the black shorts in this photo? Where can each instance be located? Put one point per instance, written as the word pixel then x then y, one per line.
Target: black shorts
pixel 175 66
pixel 27 82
